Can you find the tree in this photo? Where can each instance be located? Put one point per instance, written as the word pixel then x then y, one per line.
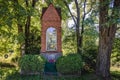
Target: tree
pixel 76 22
pixel 20 15
pixel 107 29
pixel 68 40
pixel 82 8
pixel 28 23
pixel 7 31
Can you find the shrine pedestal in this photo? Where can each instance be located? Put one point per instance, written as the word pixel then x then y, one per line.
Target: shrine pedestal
pixel 51 56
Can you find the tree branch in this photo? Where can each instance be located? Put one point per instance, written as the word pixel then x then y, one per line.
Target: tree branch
pixel 34 2
pixel 26 1
pixel 70 11
pixel 84 14
pixel 78 11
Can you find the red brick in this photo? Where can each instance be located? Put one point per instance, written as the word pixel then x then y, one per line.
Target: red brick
pixel 51 17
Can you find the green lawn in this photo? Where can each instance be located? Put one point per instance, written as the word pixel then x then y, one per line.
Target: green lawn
pixel 13 74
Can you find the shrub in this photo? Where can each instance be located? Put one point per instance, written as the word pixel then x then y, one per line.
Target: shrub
pixel 32 63
pixel 89 57
pixel 69 64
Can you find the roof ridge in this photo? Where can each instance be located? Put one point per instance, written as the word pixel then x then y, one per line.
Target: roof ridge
pixel 58 10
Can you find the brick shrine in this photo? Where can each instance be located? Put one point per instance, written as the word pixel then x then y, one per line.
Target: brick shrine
pixel 51 45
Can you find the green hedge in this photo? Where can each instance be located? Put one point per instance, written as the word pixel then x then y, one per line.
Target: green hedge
pixel 69 64
pixel 32 63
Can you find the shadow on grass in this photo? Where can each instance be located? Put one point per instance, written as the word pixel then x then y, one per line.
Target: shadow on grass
pixel 13 74
pixel 115 75
pixel 17 76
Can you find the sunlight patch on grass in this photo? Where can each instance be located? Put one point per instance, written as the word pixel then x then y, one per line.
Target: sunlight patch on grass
pixel 115 72
pixel 115 69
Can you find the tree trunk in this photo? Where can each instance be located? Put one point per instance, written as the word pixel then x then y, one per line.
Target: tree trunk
pixel 27 26
pixel 20 29
pixel 106 37
pixel 27 32
pixel 77 26
pixel 82 26
pixel 79 35
pixel 103 58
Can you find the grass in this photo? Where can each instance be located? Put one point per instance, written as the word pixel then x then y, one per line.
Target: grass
pixel 13 74
pixel 114 68
pixel 115 72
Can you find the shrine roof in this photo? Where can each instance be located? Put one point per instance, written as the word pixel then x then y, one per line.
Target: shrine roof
pixel 58 10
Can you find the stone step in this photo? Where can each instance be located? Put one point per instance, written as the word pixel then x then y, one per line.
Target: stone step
pixel 50 68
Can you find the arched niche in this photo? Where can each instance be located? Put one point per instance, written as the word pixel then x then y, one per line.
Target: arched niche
pixel 51 39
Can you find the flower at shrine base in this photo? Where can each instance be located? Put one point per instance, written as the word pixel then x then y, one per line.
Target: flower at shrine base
pixel 51 60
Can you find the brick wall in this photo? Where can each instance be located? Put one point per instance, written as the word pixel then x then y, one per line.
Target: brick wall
pixel 51 18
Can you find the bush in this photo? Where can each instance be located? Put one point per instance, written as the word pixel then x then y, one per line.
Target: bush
pixel 32 63
pixel 69 64
pixel 89 57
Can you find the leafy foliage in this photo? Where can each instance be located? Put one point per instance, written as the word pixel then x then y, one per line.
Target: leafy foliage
pixel 115 58
pixel 8 40
pixel 89 57
pixel 32 63
pixel 69 44
pixel 34 42
pixel 71 63
pixel 14 13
